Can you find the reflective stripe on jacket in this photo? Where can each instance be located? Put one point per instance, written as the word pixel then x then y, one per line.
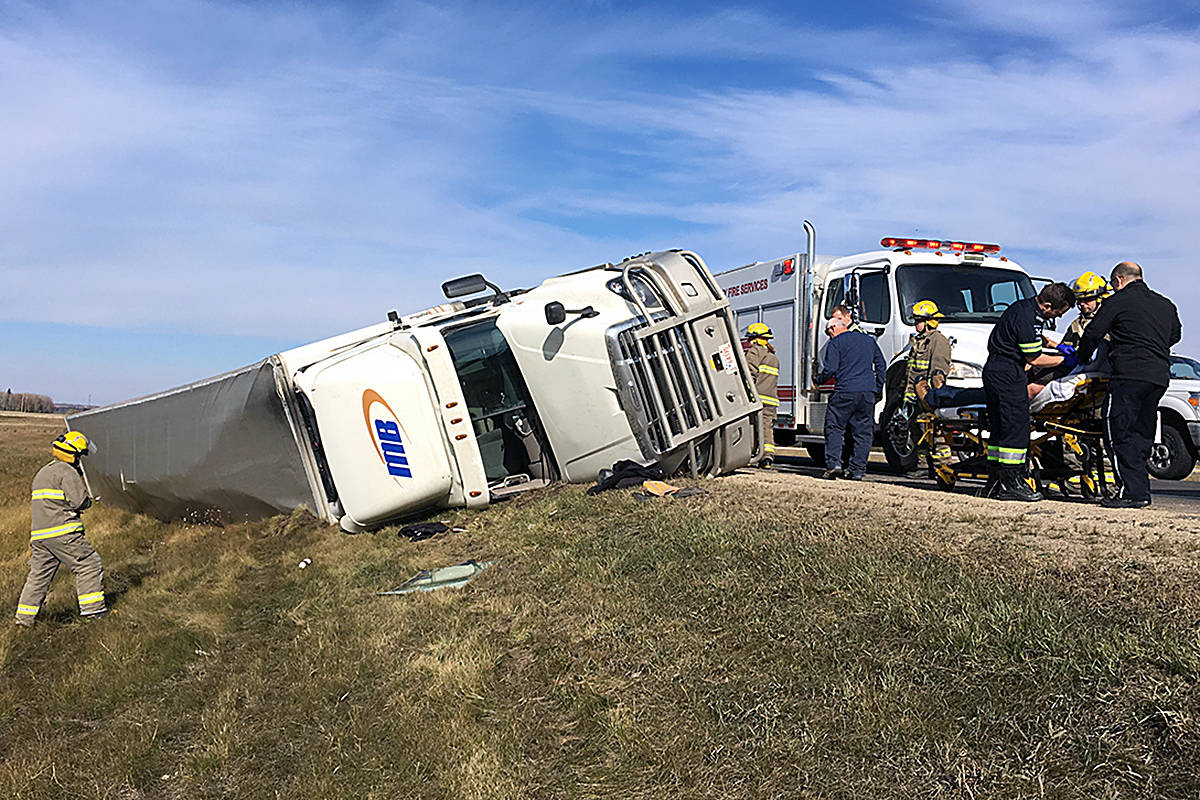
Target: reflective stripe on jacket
pixel 58 495
pixel 764 367
pixel 930 354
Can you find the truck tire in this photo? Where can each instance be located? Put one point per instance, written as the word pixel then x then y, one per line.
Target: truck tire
pixel 1171 460
pixel 896 435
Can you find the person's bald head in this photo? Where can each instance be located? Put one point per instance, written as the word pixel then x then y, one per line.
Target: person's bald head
pixel 1124 274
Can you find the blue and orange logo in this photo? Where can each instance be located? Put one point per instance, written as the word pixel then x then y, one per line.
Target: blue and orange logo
pixel 387 434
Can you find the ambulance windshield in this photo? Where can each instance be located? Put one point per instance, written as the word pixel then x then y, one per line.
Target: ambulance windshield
pixel 962 293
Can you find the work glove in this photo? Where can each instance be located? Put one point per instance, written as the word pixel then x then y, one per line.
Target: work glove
pixel 1070 360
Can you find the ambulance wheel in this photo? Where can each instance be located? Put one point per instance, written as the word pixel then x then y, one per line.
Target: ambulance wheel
pixel 1171 460
pixel 898 444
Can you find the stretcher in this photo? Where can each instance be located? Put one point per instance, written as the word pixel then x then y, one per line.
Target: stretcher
pixel 1066 452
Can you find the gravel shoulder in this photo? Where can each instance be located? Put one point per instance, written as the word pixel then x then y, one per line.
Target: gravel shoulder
pixel 1072 532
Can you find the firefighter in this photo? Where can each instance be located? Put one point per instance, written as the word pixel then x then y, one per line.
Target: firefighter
pixel 1090 290
pixel 764 367
pixel 59 495
pixel 1014 346
pixel 928 366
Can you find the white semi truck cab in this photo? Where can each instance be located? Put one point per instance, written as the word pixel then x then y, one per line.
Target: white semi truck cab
pixel 796 294
pixel 457 405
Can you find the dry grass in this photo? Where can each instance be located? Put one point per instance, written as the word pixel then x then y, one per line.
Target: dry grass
pixel 726 646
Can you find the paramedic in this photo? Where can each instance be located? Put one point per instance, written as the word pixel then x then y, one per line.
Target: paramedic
pixel 928 366
pixel 764 369
pixel 1016 344
pixel 1141 325
pixel 1089 289
pixel 59 494
pixel 853 361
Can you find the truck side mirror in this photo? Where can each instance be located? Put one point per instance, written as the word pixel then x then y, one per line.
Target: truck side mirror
pixel 472 284
pixel 461 287
pixel 556 314
pixel 850 294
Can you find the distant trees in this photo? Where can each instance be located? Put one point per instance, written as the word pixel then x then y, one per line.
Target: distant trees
pixel 25 401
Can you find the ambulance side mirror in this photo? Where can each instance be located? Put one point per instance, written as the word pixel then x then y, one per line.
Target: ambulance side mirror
pixel 850 294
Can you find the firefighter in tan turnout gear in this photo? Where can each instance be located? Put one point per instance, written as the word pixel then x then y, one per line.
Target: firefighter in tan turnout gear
pixel 1090 290
pixel 59 495
pixel 928 366
pixel 764 367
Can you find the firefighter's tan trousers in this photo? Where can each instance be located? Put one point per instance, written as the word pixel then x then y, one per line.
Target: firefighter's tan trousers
pixel 80 557
pixel 768 431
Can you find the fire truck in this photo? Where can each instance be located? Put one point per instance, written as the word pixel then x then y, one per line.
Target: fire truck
pixel 796 294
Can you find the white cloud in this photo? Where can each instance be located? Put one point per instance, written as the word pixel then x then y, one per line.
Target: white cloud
pixel 302 168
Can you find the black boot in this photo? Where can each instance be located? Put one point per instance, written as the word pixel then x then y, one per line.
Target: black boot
pixel 1014 487
pixel 993 483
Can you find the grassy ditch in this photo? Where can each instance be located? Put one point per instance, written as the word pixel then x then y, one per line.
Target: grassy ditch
pixel 725 646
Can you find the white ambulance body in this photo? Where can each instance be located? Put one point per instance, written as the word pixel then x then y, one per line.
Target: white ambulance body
pixel 795 295
pixel 453 406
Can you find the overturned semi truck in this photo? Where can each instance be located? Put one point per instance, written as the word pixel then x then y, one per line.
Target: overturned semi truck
pixel 457 405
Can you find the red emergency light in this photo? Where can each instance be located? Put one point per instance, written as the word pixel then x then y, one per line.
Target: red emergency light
pixel 938 244
pixel 788 266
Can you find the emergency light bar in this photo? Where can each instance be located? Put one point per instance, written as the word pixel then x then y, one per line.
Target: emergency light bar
pixel 938 244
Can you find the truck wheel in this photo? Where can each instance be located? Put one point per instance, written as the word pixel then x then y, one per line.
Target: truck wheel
pixel 1171 460
pixel 896 433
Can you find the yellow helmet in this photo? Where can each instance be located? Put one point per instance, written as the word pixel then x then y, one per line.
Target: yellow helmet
pixel 70 446
pixel 1090 286
pixel 926 311
pixel 759 330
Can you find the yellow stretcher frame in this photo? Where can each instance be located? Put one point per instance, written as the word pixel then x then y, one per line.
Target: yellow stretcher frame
pixel 1066 448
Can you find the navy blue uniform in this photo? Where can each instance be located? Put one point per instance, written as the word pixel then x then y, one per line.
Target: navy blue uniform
pixel 1142 325
pixel 854 361
pixel 1015 341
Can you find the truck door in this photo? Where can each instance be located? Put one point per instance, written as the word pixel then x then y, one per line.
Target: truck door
pixel 381 435
pixel 868 289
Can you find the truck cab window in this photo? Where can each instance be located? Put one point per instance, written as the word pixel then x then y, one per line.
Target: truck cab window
pixel 963 293
pixel 499 404
pixel 875 299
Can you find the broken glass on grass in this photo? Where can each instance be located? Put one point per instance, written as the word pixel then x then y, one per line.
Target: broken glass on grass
pixel 440 578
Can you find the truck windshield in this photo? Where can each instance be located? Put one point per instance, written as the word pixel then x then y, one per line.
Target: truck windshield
pixel 962 293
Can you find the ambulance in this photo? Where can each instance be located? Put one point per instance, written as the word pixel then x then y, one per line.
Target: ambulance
pixel 796 294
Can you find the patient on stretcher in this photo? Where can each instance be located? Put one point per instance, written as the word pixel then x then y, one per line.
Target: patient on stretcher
pixel 1059 385
pixel 946 400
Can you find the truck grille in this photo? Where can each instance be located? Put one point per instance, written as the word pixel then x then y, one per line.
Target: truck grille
pixel 661 376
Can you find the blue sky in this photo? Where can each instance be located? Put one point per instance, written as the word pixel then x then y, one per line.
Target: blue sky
pixel 190 185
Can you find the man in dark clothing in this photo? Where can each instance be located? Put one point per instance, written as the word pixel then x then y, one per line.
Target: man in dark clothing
pixel 1015 344
pixel 854 362
pixel 1142 325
